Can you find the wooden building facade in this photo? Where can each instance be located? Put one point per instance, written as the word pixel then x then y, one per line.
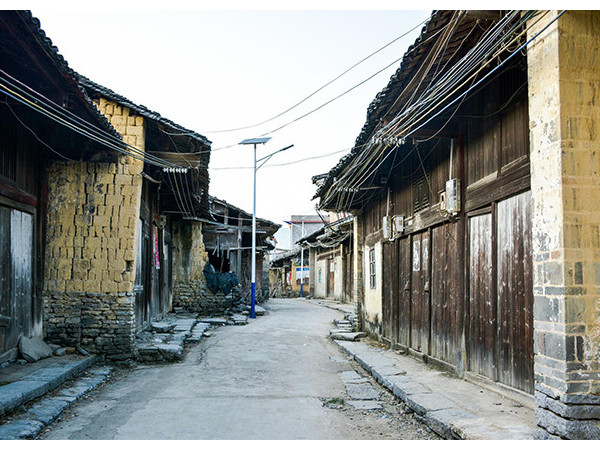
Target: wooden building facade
pixel 228 242
pixel 92 190
pixel 330 259
pixel 457 261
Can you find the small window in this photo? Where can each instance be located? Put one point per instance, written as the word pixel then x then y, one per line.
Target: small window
pixel 372 274
pixel 420 187
pixel 320 275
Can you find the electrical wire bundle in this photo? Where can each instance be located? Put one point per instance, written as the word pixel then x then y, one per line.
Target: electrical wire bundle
pixel 32 99
pixel 445 88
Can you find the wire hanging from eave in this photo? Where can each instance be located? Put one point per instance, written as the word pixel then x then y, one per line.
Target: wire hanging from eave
pixel 500 65
pixel 485 77
pixel 36 101
pixel 393 127
pixel 347 179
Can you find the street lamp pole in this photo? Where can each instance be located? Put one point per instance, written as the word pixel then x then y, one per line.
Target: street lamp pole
pixel 255 141
pixel 302 265
pixel 253 303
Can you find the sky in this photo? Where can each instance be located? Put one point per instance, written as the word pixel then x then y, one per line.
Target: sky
pixel 213 70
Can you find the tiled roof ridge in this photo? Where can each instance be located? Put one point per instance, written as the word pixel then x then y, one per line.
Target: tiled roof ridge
pixel 213 198
pixel 141 109
pixel 34 26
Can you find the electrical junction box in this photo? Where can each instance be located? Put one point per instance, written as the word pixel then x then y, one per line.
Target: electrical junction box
pixel 397 225
pixel 452 197
pixel 385 226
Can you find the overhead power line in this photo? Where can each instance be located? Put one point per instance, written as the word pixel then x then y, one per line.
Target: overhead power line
pixel 485 51
pixel 27 96
pixel 283 164
pixel 325 85
pixel 338 96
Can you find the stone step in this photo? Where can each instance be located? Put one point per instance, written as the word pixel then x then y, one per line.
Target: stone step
pixel 340 336
pixel 214 320
pixel 24 384
pixel 41 413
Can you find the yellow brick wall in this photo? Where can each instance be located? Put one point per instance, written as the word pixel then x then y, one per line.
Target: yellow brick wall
pixel 91 237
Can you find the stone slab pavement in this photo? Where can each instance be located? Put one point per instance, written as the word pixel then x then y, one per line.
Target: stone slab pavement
pixel 451 407
pixel 348 308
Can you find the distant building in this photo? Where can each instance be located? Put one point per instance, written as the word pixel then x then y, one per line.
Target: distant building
pixel 302 226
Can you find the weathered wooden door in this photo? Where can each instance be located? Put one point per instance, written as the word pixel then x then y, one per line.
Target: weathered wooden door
pixel 421 286
pixel 330 277
pixel 389 292
pixel 165 271
pixel 348 277
pixel 404 290
pixel 154 264
pixel 446 280
pixel 482 300
pixel 501 293
pixel 142 278
pixel 16 276
pixel 515 292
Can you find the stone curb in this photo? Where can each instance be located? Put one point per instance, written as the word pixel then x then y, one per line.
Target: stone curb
pixel 29 424
pixel 442 415
pixel 39 383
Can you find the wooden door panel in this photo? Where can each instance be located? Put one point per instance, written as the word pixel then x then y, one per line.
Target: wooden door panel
pixel 6 311
pixel 404 290
pixel 420 289
pixel 389 292
pixel 16 276
pixel 482 305
pixel 515 293
pixel 445 292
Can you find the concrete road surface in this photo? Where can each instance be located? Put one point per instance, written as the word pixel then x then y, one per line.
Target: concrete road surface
pixel 276 378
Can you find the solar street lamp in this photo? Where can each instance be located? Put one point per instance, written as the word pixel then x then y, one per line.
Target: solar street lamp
pixel 255 142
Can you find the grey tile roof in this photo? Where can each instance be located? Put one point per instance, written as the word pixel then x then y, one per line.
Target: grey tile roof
pixel 139 109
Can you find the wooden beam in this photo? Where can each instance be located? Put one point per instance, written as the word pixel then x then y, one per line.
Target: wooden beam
pixel 484 14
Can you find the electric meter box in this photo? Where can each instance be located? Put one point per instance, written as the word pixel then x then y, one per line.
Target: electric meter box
pixel 453 196
pixel 398 225
pixel 386 225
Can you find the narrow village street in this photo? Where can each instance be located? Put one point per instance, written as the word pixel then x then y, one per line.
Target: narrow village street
pixel 279 377
pixel 327 224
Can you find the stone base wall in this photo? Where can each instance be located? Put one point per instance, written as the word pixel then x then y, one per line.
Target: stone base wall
pixel 564 112
pixel 194 297
pixel 99 323
pixel 567 419
pixel 91 246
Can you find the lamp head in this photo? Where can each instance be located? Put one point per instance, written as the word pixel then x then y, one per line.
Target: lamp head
pixel 260 140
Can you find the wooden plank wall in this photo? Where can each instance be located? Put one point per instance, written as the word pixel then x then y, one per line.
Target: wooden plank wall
pixel 462 288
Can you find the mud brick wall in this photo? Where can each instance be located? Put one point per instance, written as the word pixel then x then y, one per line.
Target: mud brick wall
pixel 190 293
pixel 564 109
pixel 91 246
